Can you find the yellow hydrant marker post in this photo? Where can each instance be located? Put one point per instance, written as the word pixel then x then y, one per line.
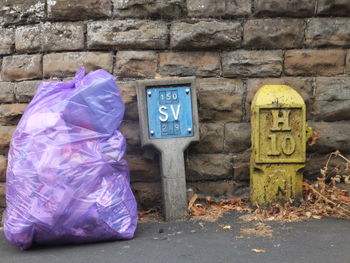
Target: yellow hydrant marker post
pixel 279 136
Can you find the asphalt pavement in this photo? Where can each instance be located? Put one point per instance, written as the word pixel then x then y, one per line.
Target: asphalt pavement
pixel 320 241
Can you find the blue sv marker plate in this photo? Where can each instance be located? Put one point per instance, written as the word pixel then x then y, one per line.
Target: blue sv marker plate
pixel 169 112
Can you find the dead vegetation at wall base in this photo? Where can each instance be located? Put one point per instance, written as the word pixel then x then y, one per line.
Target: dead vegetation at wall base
pixel 328 196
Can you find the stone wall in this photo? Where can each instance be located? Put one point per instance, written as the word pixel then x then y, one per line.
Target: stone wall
pixel 232 46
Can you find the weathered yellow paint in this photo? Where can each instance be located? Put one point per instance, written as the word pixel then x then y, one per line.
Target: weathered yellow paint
pixel 279 136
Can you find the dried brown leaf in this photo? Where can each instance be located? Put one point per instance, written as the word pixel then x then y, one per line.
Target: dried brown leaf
pixel 258 250
pixel 192 201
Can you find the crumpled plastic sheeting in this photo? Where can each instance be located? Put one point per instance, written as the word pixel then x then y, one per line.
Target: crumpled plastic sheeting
pixel 67 180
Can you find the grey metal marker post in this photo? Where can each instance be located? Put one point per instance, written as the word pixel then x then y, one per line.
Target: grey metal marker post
pixel 169 121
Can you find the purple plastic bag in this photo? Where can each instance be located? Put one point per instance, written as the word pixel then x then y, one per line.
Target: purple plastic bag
pixel 67 181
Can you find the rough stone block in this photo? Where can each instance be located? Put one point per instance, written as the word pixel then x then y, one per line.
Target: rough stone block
pixel 131 131
pixel 78 9
pixel 205 34
pixel 335 88
pixel 50 37
pixel 148 195
pixel 21 67
pixel 7 92
pixel 189 64
pixel 149 8
pixel 291 8
pixel 332 110
pixel 211 138
pixel 25 90
pixel 2 216
pixel 2 195
pixel 314 62
pixel 241 166
pixel 20 11
pixel 7 40
pixel 142 169
pixel 333 136
pixel 127 34
pixel 66 64
pixel 236 7
pixel 328 32
pixel 206 8
pixel 10 114
pixel 136 64
pixel 304 86
pixel 220 100
pixel 237 137
pixel 347 65
pixel 333 7
pixel 244 63
pixel 220 190
pixel 209 167
pixel 5 138
pixel 128 90
pixel 209 8
pixel 316 162
pixel 274 33
pixel 3 167
pixel 332 99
